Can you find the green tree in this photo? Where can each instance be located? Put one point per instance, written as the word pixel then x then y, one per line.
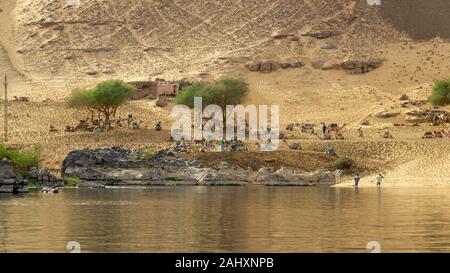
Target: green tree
pixel 82 99
pixel 187 95
pixel 227 91
pixel 105 98
pixel 441 93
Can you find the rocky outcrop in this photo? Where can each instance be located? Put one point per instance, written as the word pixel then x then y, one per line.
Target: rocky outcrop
pixel 387 114
pixel 43 177
pixel 293 177
pixel 268 66
pixel 421 115
pixel 117 167
pixel 321 34
pixel 9 182
pixel 120 167
pixel 354 67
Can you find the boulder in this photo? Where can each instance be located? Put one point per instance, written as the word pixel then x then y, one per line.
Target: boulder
pixel 358 66
pixel 404 97
pixel 253 66
pixel 365 122
pixel 268 66
pixel 9 182
pixel 323 34
pixel 387 114
pixel 293 176
pixel 295 146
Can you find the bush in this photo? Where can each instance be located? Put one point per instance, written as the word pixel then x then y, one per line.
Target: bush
pixel 441 93
pixel 149 154
pixel 31 183
pixel 227 91
pixel 343 163
pixel 105 98
pixel 71 181
pixel 22 160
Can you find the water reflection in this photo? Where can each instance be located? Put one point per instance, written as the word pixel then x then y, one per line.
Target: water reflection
pixel 228 219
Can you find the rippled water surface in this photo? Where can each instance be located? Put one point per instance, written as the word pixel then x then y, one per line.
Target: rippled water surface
pixel 228 219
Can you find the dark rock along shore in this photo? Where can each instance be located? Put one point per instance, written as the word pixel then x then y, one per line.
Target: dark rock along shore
pixel 117 166
pixel 9 182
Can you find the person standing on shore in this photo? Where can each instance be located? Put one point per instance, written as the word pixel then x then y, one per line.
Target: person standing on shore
pixel 379 179
pixel 338 176
pixel 357 179
pixel 222 145
pixel 324 129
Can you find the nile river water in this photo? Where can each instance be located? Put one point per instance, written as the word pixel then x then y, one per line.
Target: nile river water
pixel 228 219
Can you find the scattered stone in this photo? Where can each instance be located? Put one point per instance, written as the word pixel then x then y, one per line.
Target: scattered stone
pixel 59 27
pixel 321 34
pixel 253 66
pixel 22 99
pixel 135 125
pixel 387 135
pixel 434 116
pixel 52 129
pixel 108 71
pixel 339 136
pixel 427 135
pixel 69 129
pixel 318 63
pixel 404 97
pixel 293 176
pixel 97 129
pixel 307 127
pixel 279 36
pixel 359 66
pixel 268 66
pixel 365 122
pixel 387 114
pixel 203 75
pixel 295 146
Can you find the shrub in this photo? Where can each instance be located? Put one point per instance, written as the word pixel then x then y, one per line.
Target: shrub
pixel 105 98
pixel 22 160
pixel 31 183
pixel 71 181
pixel 441 93
pixel 187 95
pixel 148 154
pixel 343 163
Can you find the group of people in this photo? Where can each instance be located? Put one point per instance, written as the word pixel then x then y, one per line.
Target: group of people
pixel 357 178
pixel 207 144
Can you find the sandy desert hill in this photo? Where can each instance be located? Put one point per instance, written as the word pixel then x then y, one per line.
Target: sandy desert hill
pixel 47 47
pixel 177 38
